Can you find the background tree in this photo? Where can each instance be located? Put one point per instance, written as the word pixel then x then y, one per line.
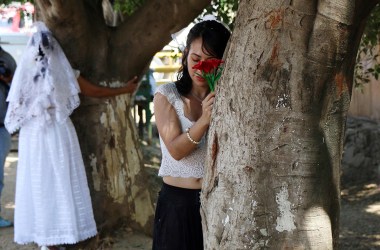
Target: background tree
pixel 110 56
pixel 275 143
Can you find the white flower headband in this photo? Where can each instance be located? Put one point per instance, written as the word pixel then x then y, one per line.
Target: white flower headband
pixel 181 44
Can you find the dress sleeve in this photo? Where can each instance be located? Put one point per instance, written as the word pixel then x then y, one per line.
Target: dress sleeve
pixel 169 90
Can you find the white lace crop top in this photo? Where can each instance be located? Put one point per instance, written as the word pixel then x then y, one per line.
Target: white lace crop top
pixel 191 165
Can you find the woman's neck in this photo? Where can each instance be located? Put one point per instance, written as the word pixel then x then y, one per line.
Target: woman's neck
pixel 199 93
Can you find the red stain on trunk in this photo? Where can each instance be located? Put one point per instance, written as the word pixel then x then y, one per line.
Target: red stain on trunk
pixel 214 150
pixel 274 19
pixel 274 55
pixel 341 82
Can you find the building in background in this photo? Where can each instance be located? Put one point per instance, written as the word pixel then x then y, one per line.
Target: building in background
pixel 16 21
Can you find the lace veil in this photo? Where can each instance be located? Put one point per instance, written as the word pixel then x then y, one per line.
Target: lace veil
pixel 44 86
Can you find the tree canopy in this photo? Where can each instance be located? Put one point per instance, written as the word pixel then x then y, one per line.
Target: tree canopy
pixel 224 9
pixel 367 65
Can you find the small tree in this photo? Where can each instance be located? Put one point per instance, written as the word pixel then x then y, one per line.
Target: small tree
pixel 110 56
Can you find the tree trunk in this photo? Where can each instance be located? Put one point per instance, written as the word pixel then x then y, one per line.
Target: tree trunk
pixel 106 130
pixel 275 142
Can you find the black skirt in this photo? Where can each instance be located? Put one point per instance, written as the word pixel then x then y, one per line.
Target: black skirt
pixel 177 222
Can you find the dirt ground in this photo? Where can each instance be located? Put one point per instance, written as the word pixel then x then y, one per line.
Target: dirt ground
pixel 359 222
pixel 360 217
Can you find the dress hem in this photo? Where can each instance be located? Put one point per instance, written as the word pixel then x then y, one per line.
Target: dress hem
pixel 59 240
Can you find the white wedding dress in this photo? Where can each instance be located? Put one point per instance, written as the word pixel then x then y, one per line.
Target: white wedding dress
pixel 53 204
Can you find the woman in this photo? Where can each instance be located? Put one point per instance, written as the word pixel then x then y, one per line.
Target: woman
pixel 183 112
pixel 53 203
pixel 7 68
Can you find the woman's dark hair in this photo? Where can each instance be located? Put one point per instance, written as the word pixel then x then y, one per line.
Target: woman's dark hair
pixel 214 38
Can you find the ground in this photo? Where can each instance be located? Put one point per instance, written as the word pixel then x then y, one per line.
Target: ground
pixel 359 227
pixel 360 217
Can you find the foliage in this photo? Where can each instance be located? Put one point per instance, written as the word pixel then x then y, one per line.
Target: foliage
pixel 367 63
pixel 367 66
pixel 127 7
pixel 6 2
pixel 225 10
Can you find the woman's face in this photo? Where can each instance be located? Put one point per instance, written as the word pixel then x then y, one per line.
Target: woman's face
pixel 195 55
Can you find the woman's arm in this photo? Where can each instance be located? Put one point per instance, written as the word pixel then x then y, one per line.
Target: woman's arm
pixel 169 127
pixel 89 89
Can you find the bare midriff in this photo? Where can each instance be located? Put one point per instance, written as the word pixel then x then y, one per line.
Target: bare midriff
pixel 190 183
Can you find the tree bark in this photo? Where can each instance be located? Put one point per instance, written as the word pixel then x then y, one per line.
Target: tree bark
pixel 275 142
pixel 106 130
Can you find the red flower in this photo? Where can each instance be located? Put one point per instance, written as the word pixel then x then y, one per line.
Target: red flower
pixel 211 71
pixel 215 62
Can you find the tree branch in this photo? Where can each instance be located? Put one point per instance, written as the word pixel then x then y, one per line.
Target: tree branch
pixel 118 53
pixel 57 9
pixel 151 27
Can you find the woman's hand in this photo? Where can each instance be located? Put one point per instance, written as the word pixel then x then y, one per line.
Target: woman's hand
pixel 132 85
pixel 207 105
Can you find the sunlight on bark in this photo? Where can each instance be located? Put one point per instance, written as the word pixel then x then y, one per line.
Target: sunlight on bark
pixel 317 225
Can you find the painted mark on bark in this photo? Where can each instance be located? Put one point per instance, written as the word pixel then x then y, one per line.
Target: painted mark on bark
pixel 340 81
pixel 274 55
pixel 285 222
pixel 214 149
pixel 274 19
pixel 214 153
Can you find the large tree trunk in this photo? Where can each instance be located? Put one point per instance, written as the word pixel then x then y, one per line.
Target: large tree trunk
pixel 275 142
pixel 106 130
